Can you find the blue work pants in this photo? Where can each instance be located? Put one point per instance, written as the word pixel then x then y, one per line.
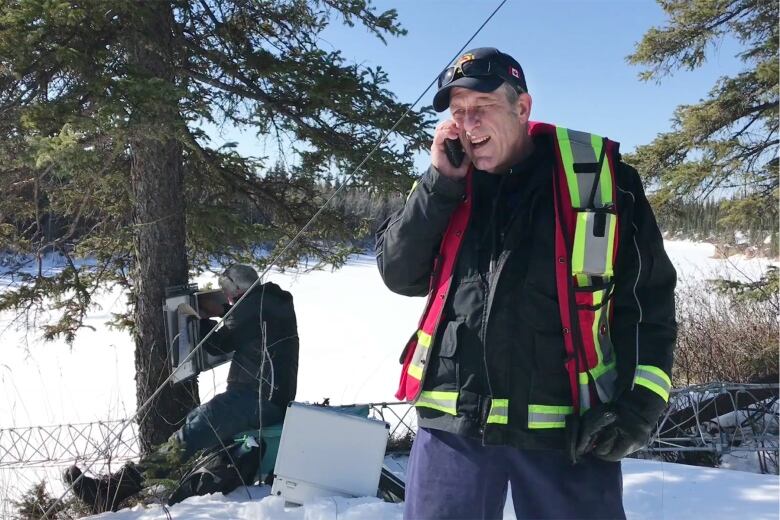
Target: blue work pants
pixel 224 416
pixel 453 477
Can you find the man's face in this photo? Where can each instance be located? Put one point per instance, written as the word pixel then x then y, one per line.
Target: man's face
pixel 492 130
pixel 233 296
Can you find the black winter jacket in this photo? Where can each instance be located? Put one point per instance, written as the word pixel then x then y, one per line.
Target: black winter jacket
pixel 501 335
pixel 267 308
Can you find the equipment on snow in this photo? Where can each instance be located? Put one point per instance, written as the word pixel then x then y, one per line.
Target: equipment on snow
pixel 392 488
pixel 326 452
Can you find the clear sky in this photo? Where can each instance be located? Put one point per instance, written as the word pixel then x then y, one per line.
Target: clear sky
pixel 572 51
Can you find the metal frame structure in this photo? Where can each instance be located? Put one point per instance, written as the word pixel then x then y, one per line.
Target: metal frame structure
pixel 715 419
pixel 719 419
pixel 65 444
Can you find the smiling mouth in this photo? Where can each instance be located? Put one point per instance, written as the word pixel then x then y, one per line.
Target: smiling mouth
pixel 477 142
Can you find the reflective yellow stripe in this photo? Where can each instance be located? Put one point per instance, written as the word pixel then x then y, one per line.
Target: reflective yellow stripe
pixel 609 271
pixel 578 251
pixel 601 369
pixel 420 356
pixel 414 187
pixel 441 401
pixel 658 372
pixel 605 381
pixel 583 280
pixel 423 338
pixel 567 158
pixel 592 254
pixel 654 379
pixel 499 411
pixel 605 182
pixel 584 392
pixel 541 416
pixel 415 371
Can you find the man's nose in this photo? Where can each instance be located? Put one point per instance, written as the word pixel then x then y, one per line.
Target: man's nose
pixel 471 119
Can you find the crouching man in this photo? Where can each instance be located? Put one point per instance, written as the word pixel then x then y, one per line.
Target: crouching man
pixel 262 333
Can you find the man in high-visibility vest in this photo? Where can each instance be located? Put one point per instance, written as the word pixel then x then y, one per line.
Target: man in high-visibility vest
pixel 544 353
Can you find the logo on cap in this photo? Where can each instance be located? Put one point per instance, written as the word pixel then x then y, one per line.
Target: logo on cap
pixel 514 72
pixel 463 59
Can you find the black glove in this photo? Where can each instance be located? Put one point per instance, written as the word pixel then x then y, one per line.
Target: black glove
pixel 589 428
pixel 612 431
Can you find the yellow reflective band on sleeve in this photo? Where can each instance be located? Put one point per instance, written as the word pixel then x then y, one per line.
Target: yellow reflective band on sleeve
pixel 654 379
pixel 541 416
pixel 499 411
pixel 441 401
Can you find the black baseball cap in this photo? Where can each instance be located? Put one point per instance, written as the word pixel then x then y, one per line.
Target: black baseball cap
pixel 483 69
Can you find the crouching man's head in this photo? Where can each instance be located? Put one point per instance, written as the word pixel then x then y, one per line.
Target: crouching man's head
pixel 236 280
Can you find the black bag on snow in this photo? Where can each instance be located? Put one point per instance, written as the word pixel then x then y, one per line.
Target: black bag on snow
pixel 221 469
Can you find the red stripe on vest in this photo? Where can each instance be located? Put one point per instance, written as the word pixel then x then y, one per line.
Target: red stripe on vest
pixel 564 227
pixel 409 387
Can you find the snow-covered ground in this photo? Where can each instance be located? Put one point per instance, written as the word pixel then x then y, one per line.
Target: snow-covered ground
pixel 652 490
pixel 351 330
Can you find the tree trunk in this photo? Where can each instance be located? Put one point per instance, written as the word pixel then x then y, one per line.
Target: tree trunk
pixel 159 218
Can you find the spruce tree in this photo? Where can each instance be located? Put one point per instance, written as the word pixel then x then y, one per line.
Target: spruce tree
pixel 726 145
pixel 103 155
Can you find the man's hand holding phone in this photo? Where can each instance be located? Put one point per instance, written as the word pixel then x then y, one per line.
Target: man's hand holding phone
pixel 439 158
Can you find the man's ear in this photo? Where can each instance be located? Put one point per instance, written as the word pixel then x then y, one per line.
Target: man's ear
pixel 523 107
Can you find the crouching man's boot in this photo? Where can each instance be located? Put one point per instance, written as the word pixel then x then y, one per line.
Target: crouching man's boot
pixel 107 492
pixel 84 487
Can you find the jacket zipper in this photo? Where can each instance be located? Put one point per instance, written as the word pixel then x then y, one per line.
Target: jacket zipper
pixel 485 320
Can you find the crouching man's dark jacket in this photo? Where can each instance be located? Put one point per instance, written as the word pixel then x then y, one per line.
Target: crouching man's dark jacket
pixel 267 316
pixel 500 333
